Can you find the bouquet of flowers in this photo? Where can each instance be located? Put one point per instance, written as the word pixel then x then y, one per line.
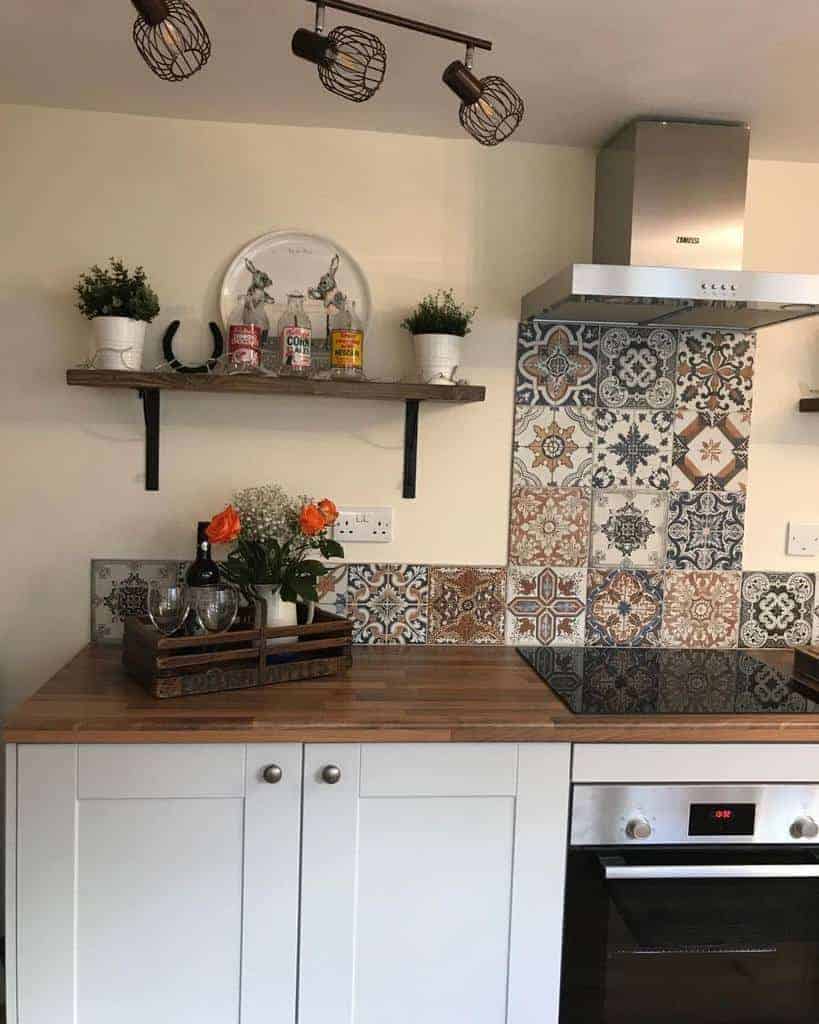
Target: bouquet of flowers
pixel 274 535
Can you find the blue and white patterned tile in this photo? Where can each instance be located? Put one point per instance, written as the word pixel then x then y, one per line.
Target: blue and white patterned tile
pixel 119 588
pixel 633 449
pixel 628 529
pixel 552 447
pixel 332 589
pixel 705 530
pixel 389 604
pixel 637 367
pixel 777 609
pixel 715 370
pixel 557 364
pixel 624 608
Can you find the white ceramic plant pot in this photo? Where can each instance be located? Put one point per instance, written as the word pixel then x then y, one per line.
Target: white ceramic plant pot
pixel 117 343
pixel 279 613
pixel 437 357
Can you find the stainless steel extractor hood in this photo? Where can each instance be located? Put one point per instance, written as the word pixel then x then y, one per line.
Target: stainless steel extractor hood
pixel 668 233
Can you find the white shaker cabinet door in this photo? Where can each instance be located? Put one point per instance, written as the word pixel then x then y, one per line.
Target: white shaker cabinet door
pixel 432 883
pixel 156 883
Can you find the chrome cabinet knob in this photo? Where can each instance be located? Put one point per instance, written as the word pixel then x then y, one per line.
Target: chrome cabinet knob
pixel 804 828
pixel 272 774
pixel 331 774
pixel 638 828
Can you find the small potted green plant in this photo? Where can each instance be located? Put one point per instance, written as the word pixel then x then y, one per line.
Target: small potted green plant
pixel 438 325
pixel 119 303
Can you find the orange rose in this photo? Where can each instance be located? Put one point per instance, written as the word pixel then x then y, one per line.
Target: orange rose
pixel 328 510
pixel 311 521
pixel 224 527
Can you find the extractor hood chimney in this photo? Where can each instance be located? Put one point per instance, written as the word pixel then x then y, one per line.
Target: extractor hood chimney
pixel 669 222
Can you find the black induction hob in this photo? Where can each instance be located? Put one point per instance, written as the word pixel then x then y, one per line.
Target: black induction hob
pixel 606 681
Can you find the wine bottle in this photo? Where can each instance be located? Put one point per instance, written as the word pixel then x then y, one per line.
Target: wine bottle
pixel 202 572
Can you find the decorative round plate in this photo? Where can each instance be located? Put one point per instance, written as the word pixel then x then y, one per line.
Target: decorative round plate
pixel 294 262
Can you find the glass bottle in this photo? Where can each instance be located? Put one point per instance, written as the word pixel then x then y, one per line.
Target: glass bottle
pixel 295 332
pixel 248 329
pixel 346 344
pixel 202 572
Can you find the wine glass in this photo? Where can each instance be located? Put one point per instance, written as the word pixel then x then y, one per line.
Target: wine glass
pixel 168 606
pixel 217 607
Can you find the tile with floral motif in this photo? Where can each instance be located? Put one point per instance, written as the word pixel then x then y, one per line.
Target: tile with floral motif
pixel 549 526
pixel 715 370
pixel 624 608
pixel 119 588
pixel 466 605
pixel 389 604
pixel 557 364
pixel 705 530
pixel 701 609
pixel 332 589
pixel 637 367
pixel 777 609
pixel 545 606
pixel 633 449
pixel 710 450
pixel 552 446
pixel 628 529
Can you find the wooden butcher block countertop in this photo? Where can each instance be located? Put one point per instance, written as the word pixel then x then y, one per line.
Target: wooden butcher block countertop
pixel 395 694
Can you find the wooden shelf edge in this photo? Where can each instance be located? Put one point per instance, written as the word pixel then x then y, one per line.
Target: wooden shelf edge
pixel 135 380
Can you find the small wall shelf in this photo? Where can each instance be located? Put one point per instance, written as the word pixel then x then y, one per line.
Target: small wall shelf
pixel 149 385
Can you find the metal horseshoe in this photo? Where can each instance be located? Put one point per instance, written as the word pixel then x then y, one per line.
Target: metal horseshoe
pixel 174 363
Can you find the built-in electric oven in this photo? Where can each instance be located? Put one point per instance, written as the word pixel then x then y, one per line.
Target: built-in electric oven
pixel 692 905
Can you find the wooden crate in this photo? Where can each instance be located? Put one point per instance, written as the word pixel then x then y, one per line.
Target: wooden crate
pixel 179 666
pixel 806 663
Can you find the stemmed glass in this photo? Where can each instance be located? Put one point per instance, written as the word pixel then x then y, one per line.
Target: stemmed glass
pixel 217 607
pixel 168 606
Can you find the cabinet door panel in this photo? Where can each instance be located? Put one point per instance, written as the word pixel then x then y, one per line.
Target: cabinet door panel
pixel 432 881
pixel 170 895
pixel 159 909
pixel 433 904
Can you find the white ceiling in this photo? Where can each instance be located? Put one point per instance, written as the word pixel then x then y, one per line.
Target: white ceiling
pixel 582 66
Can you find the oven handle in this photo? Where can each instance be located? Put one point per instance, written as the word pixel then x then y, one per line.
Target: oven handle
pixel 615 869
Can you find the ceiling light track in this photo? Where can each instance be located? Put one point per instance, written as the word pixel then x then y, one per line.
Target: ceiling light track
pixel 352 64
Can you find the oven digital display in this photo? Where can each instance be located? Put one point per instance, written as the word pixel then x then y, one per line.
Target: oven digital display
pixel 721 819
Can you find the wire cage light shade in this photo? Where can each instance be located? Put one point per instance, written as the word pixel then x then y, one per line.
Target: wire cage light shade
pixel 171 38
pixel 350 63
pixel 490 109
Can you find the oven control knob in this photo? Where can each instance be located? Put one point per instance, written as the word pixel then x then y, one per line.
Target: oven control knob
pixel 804 828
pixel 638 828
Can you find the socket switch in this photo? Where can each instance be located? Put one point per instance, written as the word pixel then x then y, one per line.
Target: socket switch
pixel 363 525
pixel 803 538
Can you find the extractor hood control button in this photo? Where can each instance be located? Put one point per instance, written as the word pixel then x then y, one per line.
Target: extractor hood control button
pixel 638 828
pixel 804 828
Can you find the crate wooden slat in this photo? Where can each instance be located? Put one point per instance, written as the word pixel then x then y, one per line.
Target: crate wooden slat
pixel 239 659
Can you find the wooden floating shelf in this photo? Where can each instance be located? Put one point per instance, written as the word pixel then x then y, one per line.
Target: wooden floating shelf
pixel 809 404
pixel 149 384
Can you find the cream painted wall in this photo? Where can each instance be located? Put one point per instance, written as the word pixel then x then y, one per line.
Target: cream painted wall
pixel 782 234
pixel 182 197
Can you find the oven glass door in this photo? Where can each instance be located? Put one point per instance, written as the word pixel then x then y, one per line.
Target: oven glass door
pixel 691 935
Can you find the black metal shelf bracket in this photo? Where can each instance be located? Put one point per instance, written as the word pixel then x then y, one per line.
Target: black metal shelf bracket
pixel 150 410
pixel 410 446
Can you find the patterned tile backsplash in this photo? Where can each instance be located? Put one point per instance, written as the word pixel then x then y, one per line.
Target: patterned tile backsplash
pixel 627 516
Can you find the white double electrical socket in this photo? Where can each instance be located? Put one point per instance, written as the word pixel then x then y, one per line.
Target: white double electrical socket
pixel 363 525
pixel 803 538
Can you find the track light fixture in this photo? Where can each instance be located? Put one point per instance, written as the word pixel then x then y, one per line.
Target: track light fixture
pixel 490 108
pixel 171 38
pixel 352 64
